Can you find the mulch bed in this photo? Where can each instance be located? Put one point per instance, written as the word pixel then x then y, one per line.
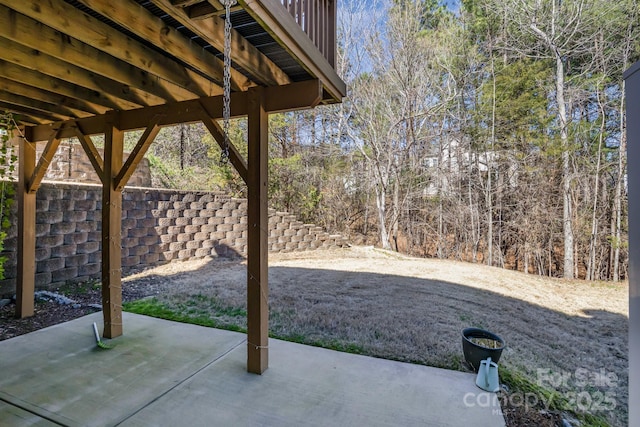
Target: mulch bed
pixel 49 313
pixel 46 314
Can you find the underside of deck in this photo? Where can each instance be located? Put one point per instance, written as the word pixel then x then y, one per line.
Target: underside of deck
pixel 67 59
pixel 78 68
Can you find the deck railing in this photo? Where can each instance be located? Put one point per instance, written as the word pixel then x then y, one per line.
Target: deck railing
pixel 317 18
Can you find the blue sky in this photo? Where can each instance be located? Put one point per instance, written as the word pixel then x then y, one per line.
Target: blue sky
pixel 359 17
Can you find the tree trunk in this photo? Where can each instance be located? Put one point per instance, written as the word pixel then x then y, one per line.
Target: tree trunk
pixel 381 200
pixel 183 143
pixel 489 167
pixel 502 249
pixel 439 249
pixel 567 227
pixel 396 212
pixel 622 153
pixel 593 241
pixel 365 227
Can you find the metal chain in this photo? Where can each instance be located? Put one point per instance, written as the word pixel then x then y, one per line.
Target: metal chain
pixel 226 80
pixel 70 159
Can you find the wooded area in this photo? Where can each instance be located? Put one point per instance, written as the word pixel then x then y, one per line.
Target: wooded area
pixel 494 133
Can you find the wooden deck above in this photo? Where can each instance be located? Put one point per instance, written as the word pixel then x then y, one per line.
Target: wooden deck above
pixel 62 60
pixel 76 68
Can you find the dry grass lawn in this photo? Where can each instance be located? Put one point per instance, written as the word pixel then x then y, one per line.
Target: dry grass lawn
pixel 392 306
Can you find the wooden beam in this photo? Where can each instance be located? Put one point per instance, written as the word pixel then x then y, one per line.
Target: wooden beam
pixel 91 152
pixel 28 120
pixel 59 112
pixel 72 22
pixel 123 96
pixel 31 113
pixel 202 10
pixel 95 100
pixel 111 230
pixel 72 106
pixel 285 30
pixel 218 4
pixel 218 135
pixel 207 10
pixel 25 286
pixel 257 233
pixel 243 53
pixel 43 164
pixel 139 20
pixel 184 3
pixel 35 35
pixel 295 96
pixel 137 154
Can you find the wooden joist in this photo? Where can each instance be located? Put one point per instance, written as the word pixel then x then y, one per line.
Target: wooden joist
pixel 57 111
pixel 184 3
pixel 206 10
pixel 217 4
pixel 243 53
pixel 31 112
pixel 134 17
pixel 73 106
pixel 123 96
pixel 27 120
pixel 202 10
pixel 94 100
pixel 36 35
pixel 65 18
pixel 96 65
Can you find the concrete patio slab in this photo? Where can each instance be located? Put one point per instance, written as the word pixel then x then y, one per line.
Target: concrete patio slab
pixel 11 415
pixel 171 374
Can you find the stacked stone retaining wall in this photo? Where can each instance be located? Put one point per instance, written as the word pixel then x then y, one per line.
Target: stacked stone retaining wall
pixel 158 226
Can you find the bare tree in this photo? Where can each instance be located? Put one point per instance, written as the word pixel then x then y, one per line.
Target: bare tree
pixel 560 31
pixel 393 105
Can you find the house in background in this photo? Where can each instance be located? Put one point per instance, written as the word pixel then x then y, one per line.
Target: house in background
pixel 452 160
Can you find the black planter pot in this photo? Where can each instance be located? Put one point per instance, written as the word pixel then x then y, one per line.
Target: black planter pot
pixel 474 353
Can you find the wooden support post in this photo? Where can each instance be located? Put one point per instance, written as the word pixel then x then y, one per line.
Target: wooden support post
pixel 257 250
pixel 218 135
pixel 91 152
pixel 43 163
pixel 111 230
pixel 26 230
pixel 137 154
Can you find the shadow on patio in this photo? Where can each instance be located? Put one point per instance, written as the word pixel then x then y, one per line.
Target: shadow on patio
pixel 168 373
